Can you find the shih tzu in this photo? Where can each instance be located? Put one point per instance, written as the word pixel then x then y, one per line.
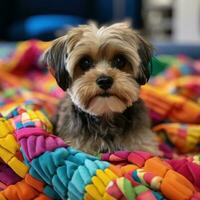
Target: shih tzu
pixel 102 70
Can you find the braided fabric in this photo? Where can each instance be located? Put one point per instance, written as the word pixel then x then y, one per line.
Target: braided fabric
pixel 43 167
pixel 173 101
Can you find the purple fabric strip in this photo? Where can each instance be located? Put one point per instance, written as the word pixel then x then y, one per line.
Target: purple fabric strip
pixel 7 175
pixel 34 146
pixel 23 144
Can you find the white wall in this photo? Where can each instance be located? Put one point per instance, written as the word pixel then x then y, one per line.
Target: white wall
pixel 186 21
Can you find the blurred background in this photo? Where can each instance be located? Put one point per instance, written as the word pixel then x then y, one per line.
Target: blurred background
pixel 172 25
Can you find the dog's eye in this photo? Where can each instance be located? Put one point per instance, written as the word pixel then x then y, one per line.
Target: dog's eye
pixel 85 63
pixel 119 61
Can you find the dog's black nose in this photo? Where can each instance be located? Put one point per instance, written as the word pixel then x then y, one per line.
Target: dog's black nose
pixel 104 82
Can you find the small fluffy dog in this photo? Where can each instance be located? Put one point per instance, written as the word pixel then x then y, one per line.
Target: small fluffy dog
pixel 102 70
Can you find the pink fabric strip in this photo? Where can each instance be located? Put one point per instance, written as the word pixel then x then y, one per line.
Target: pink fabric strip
pixel 26 132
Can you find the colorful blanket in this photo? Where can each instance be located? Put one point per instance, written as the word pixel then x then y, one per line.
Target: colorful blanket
pixel 35 164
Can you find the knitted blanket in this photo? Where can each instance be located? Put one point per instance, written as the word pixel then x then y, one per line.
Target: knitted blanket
pixel 35 164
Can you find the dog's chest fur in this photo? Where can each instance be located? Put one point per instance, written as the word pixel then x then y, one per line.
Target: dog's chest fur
pixel 99 134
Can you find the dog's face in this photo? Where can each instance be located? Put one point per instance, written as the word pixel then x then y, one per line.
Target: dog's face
pixel 102 69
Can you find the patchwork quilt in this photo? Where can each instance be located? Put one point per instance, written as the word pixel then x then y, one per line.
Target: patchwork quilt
pixel 36 164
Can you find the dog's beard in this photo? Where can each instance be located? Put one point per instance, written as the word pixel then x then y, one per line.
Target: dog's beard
pixel 90 98
pixel 106 105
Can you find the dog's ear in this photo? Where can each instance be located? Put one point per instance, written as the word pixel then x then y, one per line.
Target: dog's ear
pixel 55 58
pixel 145 51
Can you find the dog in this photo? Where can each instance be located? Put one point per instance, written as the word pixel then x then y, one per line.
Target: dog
pixel 102 70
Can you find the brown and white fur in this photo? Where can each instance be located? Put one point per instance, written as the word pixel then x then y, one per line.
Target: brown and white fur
pixel 102 70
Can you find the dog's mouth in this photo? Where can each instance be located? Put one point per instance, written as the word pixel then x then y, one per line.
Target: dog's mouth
pixel 105 94
pixel 109 94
